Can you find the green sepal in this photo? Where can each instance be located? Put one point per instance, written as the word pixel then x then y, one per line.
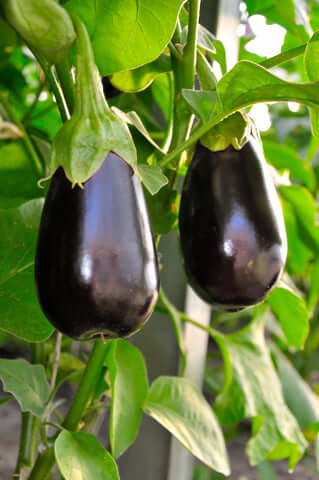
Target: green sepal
pixel 235 130
pixel 43 24
pixel 84 141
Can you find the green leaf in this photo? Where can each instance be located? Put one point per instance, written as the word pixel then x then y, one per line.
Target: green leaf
pixel 18 179
pixel 141 78
pixel 206 76
pixel 314 285
pixel 311 57
pixel 152 177
pixel 132 118
pixel 314 16
pixel 304 207
pixel 219 55
pixel 129 390
pixel 314 120
pixel 312 68
pixel 20 313
pixel 285 157
pixel 204 103
pixel 295 263
pixel 27 383
pixel 8 36
pixel 137 31
pixel 266 471
pixel 81 456
pixel 248 83
pixel 163 210
pixel 248 395
pixel 178 405
pixel 301 400
pixel 291 311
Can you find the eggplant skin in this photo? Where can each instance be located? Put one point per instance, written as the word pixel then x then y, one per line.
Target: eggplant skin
pixel 232 231
pixel 96 267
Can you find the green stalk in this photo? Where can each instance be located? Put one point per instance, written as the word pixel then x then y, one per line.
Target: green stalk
pixel 56 89
pixel 28 145
pixel 284 56
pixel 28 442
pixel 46 460
pixel 44 464
pixel 30 425
pixel 63 70
pixel 184 75
pixel 190 48
pixel 87 386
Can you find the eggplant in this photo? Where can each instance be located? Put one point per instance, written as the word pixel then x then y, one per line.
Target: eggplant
pixel 96 267
pixel 232 232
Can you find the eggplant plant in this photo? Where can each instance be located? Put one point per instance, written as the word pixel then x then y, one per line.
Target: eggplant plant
pixel 121 123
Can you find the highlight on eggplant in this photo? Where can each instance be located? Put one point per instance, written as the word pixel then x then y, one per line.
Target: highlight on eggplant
pixel 96 267
pixel 232 231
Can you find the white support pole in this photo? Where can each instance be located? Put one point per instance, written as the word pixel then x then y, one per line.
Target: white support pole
pixel 181 462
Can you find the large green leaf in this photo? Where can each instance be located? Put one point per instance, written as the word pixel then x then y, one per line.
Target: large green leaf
pixel 249 83
pixel 312 69
pixel 291 311
pixel 254 391
pixel 178 405
pixel 129 390
pixel 140 78
pixel 295 263
pixel 304 207
pixel 20 312
pixel 136 31
pixel 285 157
pixel 152 177
pixel 18 179
pixel 299 397
pixel 311 57
pixel 276 11
pixel 80 456
pixel 27 383
pixel 163 210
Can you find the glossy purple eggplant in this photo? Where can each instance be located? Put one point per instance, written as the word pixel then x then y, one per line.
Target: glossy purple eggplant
pixel 96 268
pixel 232 230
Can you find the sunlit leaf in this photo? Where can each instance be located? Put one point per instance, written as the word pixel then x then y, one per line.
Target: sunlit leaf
pixel 248 395
pixel 179 406
pixel 136 31
pixel 80 456
pixel 26 382
pixel 129 390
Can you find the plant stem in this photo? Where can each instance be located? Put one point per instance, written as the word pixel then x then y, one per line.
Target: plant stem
pixel 28 441
pixel 184 75
pixel 44 464
pixel 64 74
pixel 28 114
pixel 56 89
pixel 25 139
pixel 284 56
pixel 57 352
pixel 190 47
pixel 87 386
pixel 30 425
pixel 89 380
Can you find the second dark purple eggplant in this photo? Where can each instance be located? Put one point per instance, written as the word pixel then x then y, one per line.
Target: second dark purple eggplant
pixel 96 267
pixel 232 231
